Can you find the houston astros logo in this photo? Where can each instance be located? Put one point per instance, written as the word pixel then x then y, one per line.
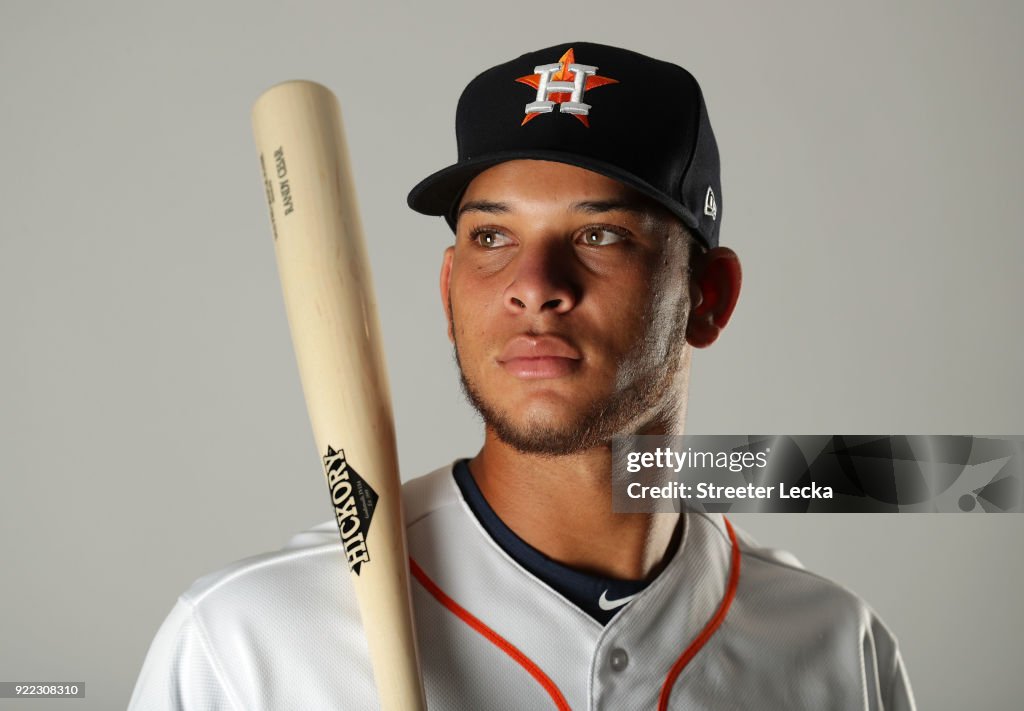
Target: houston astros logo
pixel 563 85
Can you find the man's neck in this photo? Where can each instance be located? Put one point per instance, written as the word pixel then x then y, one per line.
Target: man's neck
pixel 562 506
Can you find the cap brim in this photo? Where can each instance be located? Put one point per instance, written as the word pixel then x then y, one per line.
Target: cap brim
pixel 438 194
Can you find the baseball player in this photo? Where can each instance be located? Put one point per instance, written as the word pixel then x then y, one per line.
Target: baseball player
pixel 586 206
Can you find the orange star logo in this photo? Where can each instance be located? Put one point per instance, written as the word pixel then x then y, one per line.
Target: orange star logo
pixel 566 75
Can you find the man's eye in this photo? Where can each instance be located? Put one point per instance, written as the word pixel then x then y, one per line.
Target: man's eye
pixel 489 239
pixel 600 237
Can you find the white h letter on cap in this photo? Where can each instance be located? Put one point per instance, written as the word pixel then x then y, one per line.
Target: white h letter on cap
pixel 546 87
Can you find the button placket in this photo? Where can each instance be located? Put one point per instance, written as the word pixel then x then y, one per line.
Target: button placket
pixel 618 659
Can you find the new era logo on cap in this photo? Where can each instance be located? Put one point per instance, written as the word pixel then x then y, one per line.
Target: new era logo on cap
pixel 710 206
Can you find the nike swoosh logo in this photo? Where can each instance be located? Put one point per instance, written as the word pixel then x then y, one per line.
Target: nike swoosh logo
pixel 605 604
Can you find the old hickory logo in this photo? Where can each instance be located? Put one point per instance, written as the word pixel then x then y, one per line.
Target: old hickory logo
pixel 562 84
pixel 354 502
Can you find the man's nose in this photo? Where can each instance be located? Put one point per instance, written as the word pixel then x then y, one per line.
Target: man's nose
pixel 542 280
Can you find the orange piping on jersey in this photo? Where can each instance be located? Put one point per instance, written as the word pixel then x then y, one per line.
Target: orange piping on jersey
pixel 710 628
pixel 490 635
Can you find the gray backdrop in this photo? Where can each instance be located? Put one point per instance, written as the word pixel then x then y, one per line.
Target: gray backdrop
pixel 153 424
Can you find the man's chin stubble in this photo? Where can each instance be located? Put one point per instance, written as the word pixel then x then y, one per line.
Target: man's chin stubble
pixel 593 427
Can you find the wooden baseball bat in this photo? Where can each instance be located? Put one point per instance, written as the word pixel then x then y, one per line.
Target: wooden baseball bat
pixel 332 312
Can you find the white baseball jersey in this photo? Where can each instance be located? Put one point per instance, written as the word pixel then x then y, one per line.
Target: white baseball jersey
pixel 726 625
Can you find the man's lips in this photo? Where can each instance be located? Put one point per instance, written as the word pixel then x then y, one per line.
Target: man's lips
pixel 532 357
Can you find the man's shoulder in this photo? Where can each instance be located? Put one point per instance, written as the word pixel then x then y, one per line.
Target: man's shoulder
pixel 277 620
pixel 776 570
pixel 784 607
pixel 313 557
pixel 774 584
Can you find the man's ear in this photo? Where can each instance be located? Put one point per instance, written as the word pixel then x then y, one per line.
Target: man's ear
pixel 714 290
pixel 446 275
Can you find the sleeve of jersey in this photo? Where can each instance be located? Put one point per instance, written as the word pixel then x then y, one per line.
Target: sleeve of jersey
pixel 901 698
pixel 180 672
pixel 894 685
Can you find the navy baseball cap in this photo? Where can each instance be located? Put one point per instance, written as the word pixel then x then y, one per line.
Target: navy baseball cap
pixel 632 118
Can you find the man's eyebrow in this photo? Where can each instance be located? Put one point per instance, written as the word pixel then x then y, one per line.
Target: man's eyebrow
pixel 488 206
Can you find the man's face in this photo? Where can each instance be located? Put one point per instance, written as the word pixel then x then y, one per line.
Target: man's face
pixel 567 298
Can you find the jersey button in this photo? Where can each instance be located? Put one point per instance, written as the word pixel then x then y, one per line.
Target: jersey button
pixel 618 660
